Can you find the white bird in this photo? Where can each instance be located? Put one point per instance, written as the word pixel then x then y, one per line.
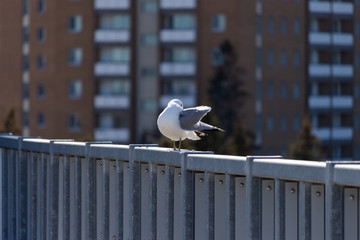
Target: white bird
pixel 178 124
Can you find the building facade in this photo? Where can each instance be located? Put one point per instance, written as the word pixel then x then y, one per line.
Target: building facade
pixel 104 69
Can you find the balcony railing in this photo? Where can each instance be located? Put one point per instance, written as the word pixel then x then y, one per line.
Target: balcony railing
pixel 337 133
pixel 177 36
pixel 177 4
pixel 326 8
pixel 56 189
pixel 112 4
pixel 336 39
pixel 111 69
pixel 336 102
pixel 105 36
pixel 174 69
pixel 112 102
pixel 328 70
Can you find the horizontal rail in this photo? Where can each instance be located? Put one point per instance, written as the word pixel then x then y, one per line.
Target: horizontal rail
pixel 61 189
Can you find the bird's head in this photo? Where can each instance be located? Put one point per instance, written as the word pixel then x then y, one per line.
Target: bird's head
pixel 175 102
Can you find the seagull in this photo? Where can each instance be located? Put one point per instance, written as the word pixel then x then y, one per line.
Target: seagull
pixel 178 124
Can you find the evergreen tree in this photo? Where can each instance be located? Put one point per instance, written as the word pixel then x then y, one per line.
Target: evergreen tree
pixel 308 147
pixel 9 125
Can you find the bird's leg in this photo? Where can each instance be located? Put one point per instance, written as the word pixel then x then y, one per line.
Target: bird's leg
pixel 179 144
pixel 174 145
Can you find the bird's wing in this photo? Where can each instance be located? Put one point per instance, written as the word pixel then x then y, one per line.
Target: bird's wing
pixel 191 116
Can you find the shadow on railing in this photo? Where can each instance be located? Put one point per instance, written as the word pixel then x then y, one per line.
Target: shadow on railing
pixel 61 189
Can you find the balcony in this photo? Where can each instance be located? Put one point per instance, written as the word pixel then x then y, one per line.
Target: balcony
pixel 327 70
pixel 338 133
pixel 325 102
pixel 187 100
pixel 110 69
pixel 326 8
pixel 177 36
pixel 335 39
pixel 112 134
pixel 178 4
pixel 106 36
pixel 112 5
pixel 112 102
pixel 180 69
pixel 97 189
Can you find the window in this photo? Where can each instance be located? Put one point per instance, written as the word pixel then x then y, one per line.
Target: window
pixel 26 90
pixel 179 21
pixel 110 87
pixel 75 56
pixel 25 34
pixel 25 7
pixel 25 63
pixel 357 28
pixel 356 122
pixel 357 90
pixel 25 119
pixel 283 125
pixel 258 24
pixel 283 58
pixel 41 120
pixel 115 54
pixel 179 54
pixel 149 6
pixel 258 90
pixel 149 39
pixel 270 91
pixel 148 71
pixel 41 91
pixel 149 105
pixel 357 59
pixel 41 6
pixel 270 123
pixel 115 21
pixel 75 89
pixel 217 57
pixel 218 23
pixel 75 24
pixel 283 25
pixel 270 57
pixel 181 87
pixel 40 62
pixel 74 122
pixel 296 123
pixel 296 58
pixel 296 91
pixel 258 57
pixel 296 26
pixel 283 91
pixel 41 35
pixel 270 25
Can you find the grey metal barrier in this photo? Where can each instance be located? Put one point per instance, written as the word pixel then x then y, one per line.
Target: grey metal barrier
pixel 61 189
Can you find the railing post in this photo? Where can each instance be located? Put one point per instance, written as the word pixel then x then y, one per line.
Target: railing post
pixel 333 205
pixel 252 202
pixel 187 200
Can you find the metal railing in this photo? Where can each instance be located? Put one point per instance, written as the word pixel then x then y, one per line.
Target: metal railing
pixel 58 189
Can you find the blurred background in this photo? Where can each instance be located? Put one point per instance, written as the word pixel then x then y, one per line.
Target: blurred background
pixel 282 76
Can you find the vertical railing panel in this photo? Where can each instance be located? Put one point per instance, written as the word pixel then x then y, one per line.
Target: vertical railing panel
pixel 61 232
pixel 177 203
pixel 200 207
pixel 161 203
pixel 73 196
pixel 187 200
pixel 41 203
pixel 279 209
pixel 304 211
pixel 229 207
pixel 23 194
pixel 169 205
pixel 146 206
pixel 99 200
pixel 220 207
pixel 11 195
pixel 291 211
pixel 267 207
pixel 1 193
pixel 126 208
pixel 115 199
pixel 240 208
pixel 76 188
pixel 317 212
pixel 351 211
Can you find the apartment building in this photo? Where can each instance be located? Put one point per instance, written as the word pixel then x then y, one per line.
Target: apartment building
pixel 104 69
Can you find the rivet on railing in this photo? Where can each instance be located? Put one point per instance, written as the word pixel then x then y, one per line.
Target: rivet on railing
pixel 179 175
pixel 352 197
pixel 242 185
pixel 221 181
pixel 318 194
pixel 162 172
pixel 292 190
pixel 146 170
pixel 268 188
pixel 201 180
